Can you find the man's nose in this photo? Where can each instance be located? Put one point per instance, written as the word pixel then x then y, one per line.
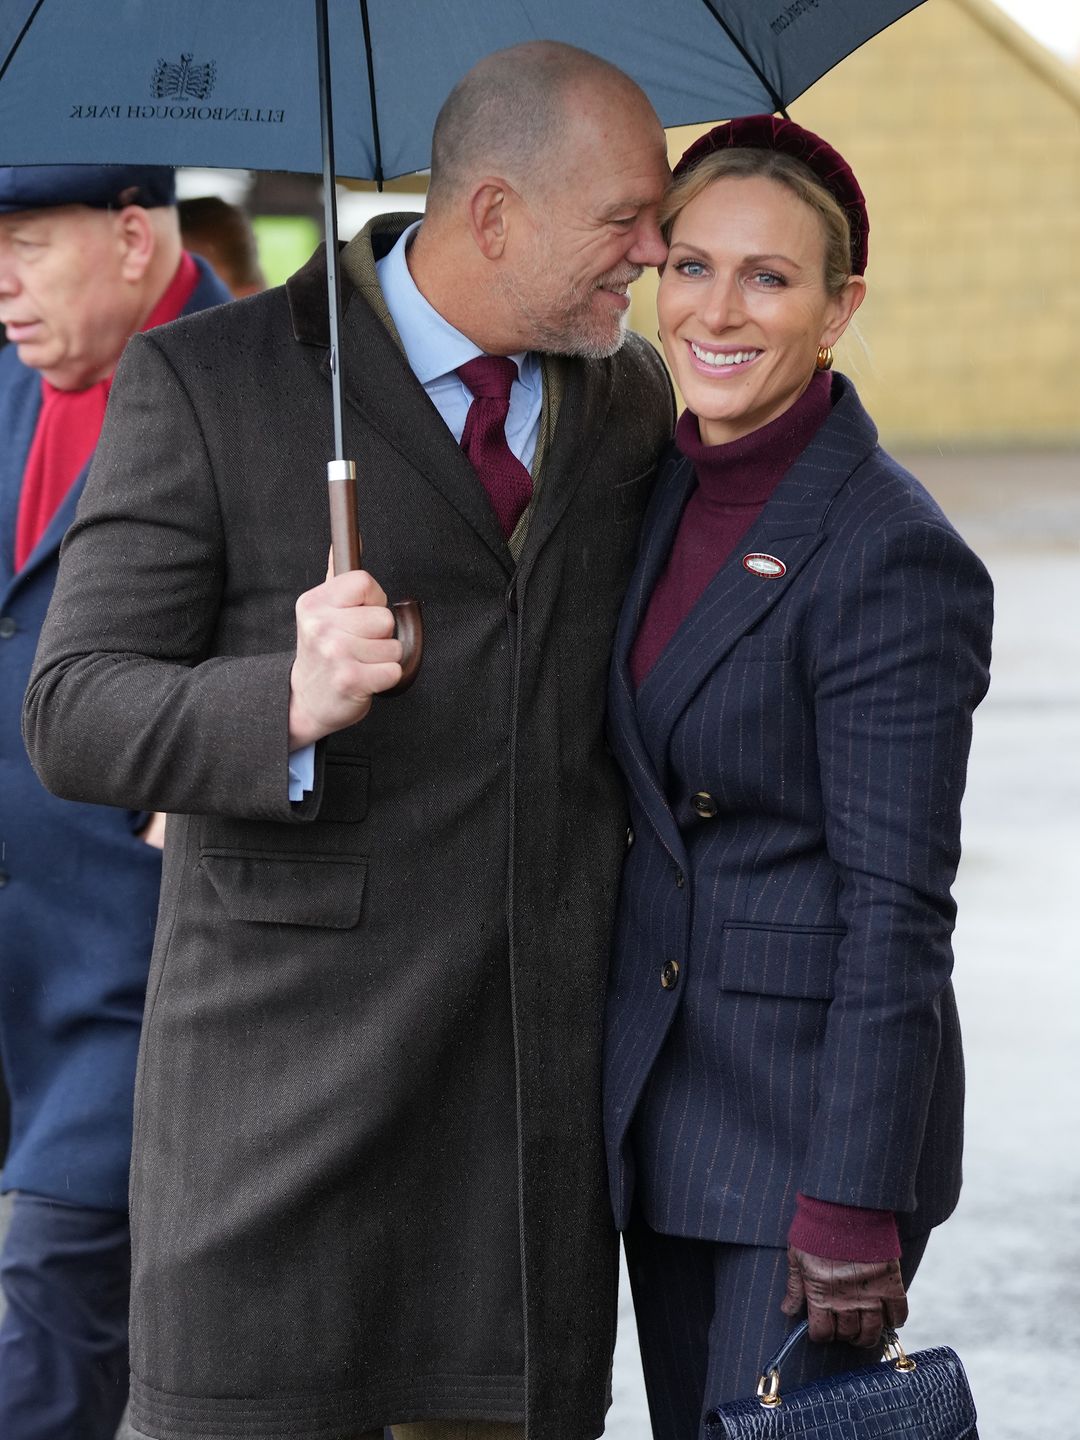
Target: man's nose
pixel 649 247
pixel 9 281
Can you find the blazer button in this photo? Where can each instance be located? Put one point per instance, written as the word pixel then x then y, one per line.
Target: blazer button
pixel 704 804
pixel 7 627
pixel 669 974
pixel 629 836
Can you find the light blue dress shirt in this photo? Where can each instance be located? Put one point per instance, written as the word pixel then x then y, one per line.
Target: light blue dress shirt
pixel 435 350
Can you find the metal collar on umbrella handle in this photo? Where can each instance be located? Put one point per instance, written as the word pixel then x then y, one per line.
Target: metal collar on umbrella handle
pixel 348 551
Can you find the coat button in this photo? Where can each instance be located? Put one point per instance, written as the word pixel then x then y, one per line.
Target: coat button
pixel 512 600
pixel 4 878
pixel 629 836
pixel 704 804
pixel 680 879
pixel 7 627
pixel 669 974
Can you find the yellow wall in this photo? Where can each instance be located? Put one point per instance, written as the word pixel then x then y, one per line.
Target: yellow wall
pixel 965 136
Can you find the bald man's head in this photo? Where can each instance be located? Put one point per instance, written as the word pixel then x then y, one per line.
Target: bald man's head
pixel 508 116
pixel 549 166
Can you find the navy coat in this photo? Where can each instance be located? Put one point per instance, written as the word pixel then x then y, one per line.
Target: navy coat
pixel 780 1013
pixel 78 889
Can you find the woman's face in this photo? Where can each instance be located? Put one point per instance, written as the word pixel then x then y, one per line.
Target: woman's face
pixel 742 303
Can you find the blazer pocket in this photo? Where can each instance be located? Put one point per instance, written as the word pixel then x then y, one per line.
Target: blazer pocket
pixel 798 961
pixel 269 887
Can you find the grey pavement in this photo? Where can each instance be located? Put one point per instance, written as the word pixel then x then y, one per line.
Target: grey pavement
pixel 1001 1281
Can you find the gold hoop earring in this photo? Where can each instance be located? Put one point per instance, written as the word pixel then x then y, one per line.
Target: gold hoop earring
pixel 824 357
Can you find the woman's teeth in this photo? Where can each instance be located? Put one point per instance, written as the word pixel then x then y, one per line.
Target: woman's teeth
pixel 723 357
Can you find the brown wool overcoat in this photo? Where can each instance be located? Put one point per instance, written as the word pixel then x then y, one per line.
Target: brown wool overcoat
pixel 368 1180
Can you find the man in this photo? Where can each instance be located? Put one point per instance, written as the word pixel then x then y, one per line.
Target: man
pixel 370 1186
pixel 223 234
pixel 88 256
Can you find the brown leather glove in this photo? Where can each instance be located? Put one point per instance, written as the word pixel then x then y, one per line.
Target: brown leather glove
pixel 848 1300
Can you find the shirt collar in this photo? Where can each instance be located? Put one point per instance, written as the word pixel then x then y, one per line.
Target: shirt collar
pixel 432 345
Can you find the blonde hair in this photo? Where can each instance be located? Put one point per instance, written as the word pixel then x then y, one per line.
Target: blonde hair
pixel 744 163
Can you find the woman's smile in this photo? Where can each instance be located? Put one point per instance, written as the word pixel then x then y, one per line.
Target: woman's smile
pixel 718 361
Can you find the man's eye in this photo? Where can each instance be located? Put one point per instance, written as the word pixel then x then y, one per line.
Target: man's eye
pixel 623 222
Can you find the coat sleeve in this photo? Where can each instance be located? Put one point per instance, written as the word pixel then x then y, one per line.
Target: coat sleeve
pixel 126 704
pixel 901 662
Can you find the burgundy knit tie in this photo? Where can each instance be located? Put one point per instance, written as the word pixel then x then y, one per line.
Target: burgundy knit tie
pixel 508 483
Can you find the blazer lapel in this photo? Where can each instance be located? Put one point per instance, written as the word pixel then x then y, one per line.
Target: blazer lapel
pixel 790 528
pixel 673 487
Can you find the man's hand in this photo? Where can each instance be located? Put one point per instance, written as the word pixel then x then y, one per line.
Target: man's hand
pixel 848 1300
pixel 345 654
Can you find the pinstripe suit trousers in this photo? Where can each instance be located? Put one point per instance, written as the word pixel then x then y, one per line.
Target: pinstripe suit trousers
pixel 708 1317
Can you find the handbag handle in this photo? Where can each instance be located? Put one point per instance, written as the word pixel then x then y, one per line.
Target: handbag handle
pixel 768 1389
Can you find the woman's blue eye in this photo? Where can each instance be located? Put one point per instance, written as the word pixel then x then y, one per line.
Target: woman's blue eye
pixel 770 279
pixel 690 268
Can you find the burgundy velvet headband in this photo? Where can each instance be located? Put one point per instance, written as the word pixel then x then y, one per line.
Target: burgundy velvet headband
pixel 770 132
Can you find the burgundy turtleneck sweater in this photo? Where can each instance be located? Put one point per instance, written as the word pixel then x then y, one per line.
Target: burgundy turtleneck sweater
pixel 734 481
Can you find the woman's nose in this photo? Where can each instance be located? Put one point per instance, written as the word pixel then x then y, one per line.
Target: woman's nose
pixel 722 306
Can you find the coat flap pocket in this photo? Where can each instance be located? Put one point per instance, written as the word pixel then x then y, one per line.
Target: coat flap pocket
pixel 276 888
pixel 792 960
pixel 345 788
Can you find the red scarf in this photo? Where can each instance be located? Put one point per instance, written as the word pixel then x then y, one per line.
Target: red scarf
pixel 68 426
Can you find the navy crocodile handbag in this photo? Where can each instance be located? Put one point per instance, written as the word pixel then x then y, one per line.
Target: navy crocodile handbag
pixel 924 1396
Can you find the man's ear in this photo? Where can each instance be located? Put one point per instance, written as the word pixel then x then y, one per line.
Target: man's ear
pixel 137 239
pixel 489 205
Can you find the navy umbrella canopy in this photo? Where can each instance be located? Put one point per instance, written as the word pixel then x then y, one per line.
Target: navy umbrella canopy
pixel 235 83
pixel 352 87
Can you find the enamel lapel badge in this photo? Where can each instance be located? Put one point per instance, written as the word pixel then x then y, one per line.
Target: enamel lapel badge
pixel 767 567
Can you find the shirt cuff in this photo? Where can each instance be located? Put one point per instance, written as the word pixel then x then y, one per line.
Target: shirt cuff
pixel 301 772
pixel 843 1232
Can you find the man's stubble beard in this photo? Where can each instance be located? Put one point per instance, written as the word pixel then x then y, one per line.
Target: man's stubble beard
pixel 569 325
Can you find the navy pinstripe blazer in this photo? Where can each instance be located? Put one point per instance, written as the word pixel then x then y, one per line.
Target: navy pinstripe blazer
pixel 810 1040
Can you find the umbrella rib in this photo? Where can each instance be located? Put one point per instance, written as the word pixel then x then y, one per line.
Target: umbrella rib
pixel 378 177
pixel 21 37
pixel 778 104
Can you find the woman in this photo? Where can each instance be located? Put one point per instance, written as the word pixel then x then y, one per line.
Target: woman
pixel 801 648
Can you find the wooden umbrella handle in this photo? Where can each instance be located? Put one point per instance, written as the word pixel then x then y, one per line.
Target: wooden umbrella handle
pixel 348 552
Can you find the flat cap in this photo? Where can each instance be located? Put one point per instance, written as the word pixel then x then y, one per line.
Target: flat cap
pixel 104 187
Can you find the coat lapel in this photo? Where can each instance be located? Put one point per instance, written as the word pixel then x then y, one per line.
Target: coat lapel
pixel 585 390
pixel 379 385
pixel 20 403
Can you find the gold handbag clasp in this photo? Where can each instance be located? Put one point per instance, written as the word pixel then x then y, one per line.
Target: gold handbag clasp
pixel 768 1389
pixel 895 1352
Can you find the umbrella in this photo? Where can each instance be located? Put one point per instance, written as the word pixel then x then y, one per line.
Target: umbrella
pixel 352 87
